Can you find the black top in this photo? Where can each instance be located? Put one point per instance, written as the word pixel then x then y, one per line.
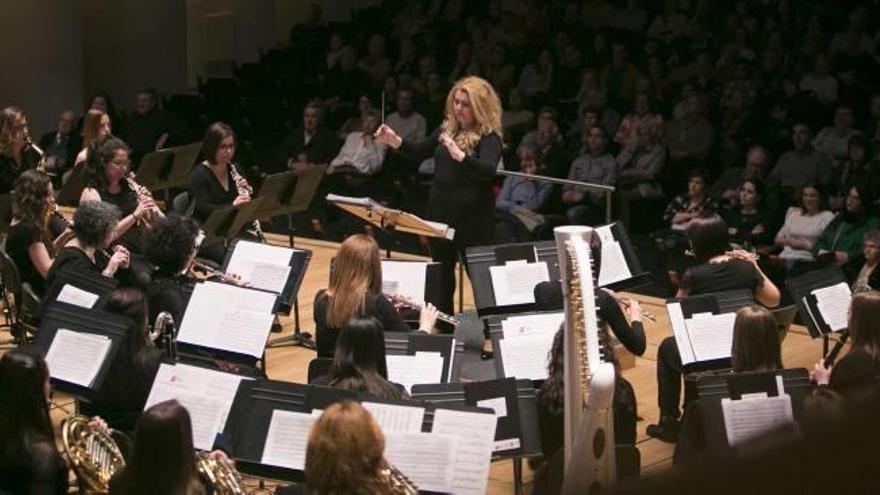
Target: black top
pixel 44 473
pixel 324 381
pixel 856 371
pixel 168 292
pixel 461 195
pixel 10 170
pixel 143 131
pixel 207 192
pixel 67 258
pixel 322 147
pixel 119 484
pixel 19 238
pixel 127 202
pixel 733 274
pixel 744 223
pixel 375 305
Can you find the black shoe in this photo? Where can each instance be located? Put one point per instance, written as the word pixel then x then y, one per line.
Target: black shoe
pixel 666 430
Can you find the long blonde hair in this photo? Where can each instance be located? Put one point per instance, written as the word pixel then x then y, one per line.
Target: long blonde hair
pixel 357 271
pixel 486 108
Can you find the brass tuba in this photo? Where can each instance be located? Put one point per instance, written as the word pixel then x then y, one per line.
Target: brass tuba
pixel 221 474
pixel 92 452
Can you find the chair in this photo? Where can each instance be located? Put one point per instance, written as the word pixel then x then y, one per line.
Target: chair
pixel 182 204
pixel 319 367
pixel 12 287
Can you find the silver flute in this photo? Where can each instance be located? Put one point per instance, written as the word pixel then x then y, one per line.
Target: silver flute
pixel 244 189
pixel 418 305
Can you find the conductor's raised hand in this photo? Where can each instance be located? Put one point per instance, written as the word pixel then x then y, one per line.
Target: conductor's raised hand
pixel 385 134
pixel 454 151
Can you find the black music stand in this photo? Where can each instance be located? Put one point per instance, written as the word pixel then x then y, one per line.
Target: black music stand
pixel 73 187
pixel 801 289
pixel 407 344
pixel 288 193
pixel 184 158
pixel 154 167
pixel 638 276
pixel 223 224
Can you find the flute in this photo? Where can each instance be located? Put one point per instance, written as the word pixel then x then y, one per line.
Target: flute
pixel 213 272
pixel 409 302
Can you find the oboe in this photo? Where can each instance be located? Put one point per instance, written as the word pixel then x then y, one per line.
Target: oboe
pixel 244 189
pixel 410 303
pixel 142 193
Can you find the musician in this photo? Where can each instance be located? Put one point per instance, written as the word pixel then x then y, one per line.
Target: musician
pixel 16 155
pixel 356 291
pixel 96 129
pixel 171 249
pixel 719 270
pixel 860 367
pixel 124 392
pixel 162 459
pixel 30 241
pixel 359 361
pixel 466 149
pixel 29 461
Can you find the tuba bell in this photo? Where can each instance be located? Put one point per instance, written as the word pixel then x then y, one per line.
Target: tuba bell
pixel 92 453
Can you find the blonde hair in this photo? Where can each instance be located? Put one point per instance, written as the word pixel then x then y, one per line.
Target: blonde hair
pixel 10 120
pixel 91 126
pixel 357 271
pixel 486 108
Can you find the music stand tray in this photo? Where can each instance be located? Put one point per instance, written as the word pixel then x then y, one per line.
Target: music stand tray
pixel 386 218
pixel 154 167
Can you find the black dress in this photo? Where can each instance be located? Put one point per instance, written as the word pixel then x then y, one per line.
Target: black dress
pixel 10 170
pixel 70 259
pixel 18 240
pixel 207 192
pixel 169 292
pixel 375 305
pixel 43 473
pixel 127 202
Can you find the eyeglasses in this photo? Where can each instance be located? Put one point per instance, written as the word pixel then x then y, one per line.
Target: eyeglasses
pixel 121 163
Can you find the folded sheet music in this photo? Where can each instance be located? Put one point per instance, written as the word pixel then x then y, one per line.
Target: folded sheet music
pixel 612 267
pixel 748 418
pixel 515 281
pixel 393 417
pixel 424 367
pixel 348 200
pixel 406 278
pixel 206 394
pixel 264 266
pixel 476 441
pixel 833 304
pixel 702 337
pixel 76 357
pixel 427 459
pixel 229 318
pixel 77 297
pixel 539 324
pixel 525 357
pixel 287 439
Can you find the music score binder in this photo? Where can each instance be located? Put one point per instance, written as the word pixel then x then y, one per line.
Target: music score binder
pixel 400 344
pixel 801 289
pixel 711 389
pixel 224 224
pixel 638 277
pixel 298 262
pixel 77 319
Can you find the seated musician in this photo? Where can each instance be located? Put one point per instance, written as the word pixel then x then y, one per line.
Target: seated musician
pixel 16 155
pixel 29 460
pixel 122 396
pixel 31 241
pixel 859 369
pixel 359 361
pixel 96 129
pixel 719 270
pixel 162 459
pixel 172 249
pixel 755 348
pixel 356 291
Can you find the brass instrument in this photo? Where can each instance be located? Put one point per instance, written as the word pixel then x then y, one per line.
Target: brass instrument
pixel 245 189
pixel 164 332
pixel 417 305
pixel 222 475
pixel 589 377
pixel 92 453
pixel 142 194
pixel 398 483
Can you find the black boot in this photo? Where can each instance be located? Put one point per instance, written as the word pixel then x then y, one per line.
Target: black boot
pixel 666 429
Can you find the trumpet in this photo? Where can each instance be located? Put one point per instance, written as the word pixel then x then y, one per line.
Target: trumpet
pixel 142 194
pixel 244 189
pixel 410 303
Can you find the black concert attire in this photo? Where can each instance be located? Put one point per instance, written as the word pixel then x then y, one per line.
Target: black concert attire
pixel 462 197
pixel 208 195
pixel 127 202
pixel 10 169
pixel 119 484
pixel 43 472
pixel 319 148
pixel 169 292
pixel 401 392
pixel 375 305
pixel 19 239
pixel 142 132
pixel 71 259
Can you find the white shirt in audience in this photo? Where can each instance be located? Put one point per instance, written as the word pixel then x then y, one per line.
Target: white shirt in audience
pixel 361 152
pixel 799 225
pixel 410 128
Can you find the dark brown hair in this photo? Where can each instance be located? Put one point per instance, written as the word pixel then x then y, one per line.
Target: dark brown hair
pixel 708 236
pixel 356 272
pixel 755 341
pixel 214 135
pixel 863 324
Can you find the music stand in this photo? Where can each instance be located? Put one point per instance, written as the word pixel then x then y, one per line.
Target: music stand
pixel 154 167
pixel 287 193
pixel 73 187
pixel 223 224
pixel 184 158
pixel 801 289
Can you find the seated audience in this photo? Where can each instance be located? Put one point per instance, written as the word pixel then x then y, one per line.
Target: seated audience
pixel 834 141
pixel 355 123
pixel 800 166
pixel 60 146
pixel 641 116
pixel 312 143
pixel 803 225
pixel 857 169
pixel 519 205
pixel 867 278
pixel 640 165
pixel 149 128
pixel 596 166
pixel 516 117
pixel 726 187
pixel 684 208
pixel 361 153
pixel 841 241
pixel 406 122
pixel 689 140
pixel 750 224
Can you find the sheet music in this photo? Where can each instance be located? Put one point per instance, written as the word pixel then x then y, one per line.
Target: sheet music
pixel 425 458
pixel 680 332
pixel 526 356
pixel 76 357
pixel 711 335
pixel 514 282
pixel 348 200
pixel 265 266
pixel 227 317
pixel 613 267
pixel 541 324
pixel 406 277
pixel 746 419
pixel 391 417
pixel 424 367
pixel 76 296
pixel 476 441
pixel 833 304
pixel 287 439
pixel 206 394
pixel 497 404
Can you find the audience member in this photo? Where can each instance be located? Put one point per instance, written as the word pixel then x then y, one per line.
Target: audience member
pixel 61 145
pixel 519 205
pixel 841 241
pixel 867 278
pixel 800 166
pixel 312 143
pixel 640 165
pixel 803 225
pixel 149 128
pixel 406 122
pixel 749 223
pixel 595 166
pixel 834 141
pixel 361 153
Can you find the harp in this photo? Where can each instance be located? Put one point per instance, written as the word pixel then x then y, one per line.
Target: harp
pixel 589 379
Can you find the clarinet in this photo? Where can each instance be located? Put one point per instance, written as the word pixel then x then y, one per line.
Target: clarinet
pixel 142 194
pixel 244 189
pixel 832 354
pixel 29 145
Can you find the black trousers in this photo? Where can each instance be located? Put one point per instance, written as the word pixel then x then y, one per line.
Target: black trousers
pixel 669 370
pixel 447 254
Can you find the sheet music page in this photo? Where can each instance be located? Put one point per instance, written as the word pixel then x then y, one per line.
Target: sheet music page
pixel 206 394
pixel 414 370
pixel 76 296
pixel 833 304
pixel 392 417
pixel 497 404
pixel 680 332
pixel 336 198
pixel 476 440
pixel 711 335
pixel 425 458
pixel 542 324
pixel 749 418
pixel 514 283
pixel 227 317
pixel 265 266
pixel 408 278
pixel 76 357
pixel 287 439
pixel 526 356
pixel 613 267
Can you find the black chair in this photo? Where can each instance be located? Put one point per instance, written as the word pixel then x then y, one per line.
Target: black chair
pixel 12 305
pixel 319 367
pixel 182 204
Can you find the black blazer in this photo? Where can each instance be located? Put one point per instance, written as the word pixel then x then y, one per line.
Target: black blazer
pixel 322 148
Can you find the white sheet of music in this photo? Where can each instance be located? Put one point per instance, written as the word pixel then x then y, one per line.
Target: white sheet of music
pixel 613 267
pixel 336 198
pixel 392 417
pixel 746 419
pixel 206 394
pixel 76 296
pixel 287 439
pixel 476 440
pixel 542 324
pixel 526 356
pixel 76 357
pixel 833 303
pixel 227 317
pixel 711 335
pixel 427 459
pixel 424 367
pixel 406 278
pixel 514 282
pixel 680 332
pixel 264 266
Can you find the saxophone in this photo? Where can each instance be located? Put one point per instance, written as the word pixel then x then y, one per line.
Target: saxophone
pixel 92 453
pixel 398 483
pixel 245 189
